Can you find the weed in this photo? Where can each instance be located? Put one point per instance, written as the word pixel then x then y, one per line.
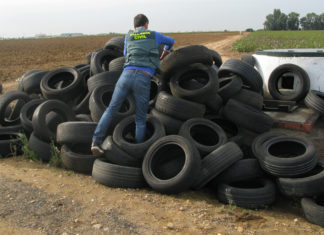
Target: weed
pixel 70 172
pixel 55 155
pixel 27 152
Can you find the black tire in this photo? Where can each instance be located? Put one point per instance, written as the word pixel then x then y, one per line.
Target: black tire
pixel 117 64
pixel 314 100
pixel 21 79
pixel 156 87
pixel 204 134
pixel 314 210
pixel 247 116
pixel 31 83
pixel 101 59
pixel 205 78
pixel 100 99
pixel 10 144
pixel 101 79
pixel 216 162
pixel 242 170
pixel 75 132
pixel 40 127
pixel 116 155
pixel 115 43
pixel 249 59
pixel 233 132
pixel 168 149
pixel 229 86
pixel 214 103
pixel 306 186
pixel 178 108
pixel 5 100
pixel 252 194
pixel 27 112
pixel 78 158
pixel 171 125
pixel 82 104
pixel 278 74
pixel 216 57
pixel 251 98
pixel 83 118
pixel 184 57
pixel 251 78
pixel 40 147
pixel 113 175
pixel 14 128
pixel 124 135
pixel 287 156
pixel 72 82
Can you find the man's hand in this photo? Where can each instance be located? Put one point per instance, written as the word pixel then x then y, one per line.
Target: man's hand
pixel 164 54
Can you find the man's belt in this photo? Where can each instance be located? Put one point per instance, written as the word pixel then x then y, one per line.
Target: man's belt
pixel 141 71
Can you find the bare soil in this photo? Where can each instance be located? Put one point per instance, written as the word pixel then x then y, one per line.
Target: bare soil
pixel 39 199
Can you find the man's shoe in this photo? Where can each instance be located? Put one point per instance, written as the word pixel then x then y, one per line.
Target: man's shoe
pixel 96 149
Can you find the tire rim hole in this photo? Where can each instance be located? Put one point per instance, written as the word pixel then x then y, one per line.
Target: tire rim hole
pixel 229 127
pixel 287 149
pixel 61 80
pixel 83 149
pixel 248 184
pixel 320 200
pixel 204 135
pixel 168 161
pixel 129 132
pixel 193 80
pixel 153 90
pixel 288 83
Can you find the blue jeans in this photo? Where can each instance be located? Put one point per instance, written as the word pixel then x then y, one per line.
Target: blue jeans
pixel 130 81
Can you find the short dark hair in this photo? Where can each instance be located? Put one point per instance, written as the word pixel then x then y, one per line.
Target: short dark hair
pixel 140 20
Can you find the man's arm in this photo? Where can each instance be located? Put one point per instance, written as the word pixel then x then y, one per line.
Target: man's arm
pixel 167 41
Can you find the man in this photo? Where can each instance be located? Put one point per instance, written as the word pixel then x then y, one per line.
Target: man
pixel 142 60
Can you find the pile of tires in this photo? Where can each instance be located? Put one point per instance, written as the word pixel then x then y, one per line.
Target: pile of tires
pixel 201 112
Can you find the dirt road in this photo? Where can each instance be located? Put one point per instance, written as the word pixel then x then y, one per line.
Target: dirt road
pixel 39 199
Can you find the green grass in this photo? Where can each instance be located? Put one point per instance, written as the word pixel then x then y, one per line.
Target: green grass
pixel 262 40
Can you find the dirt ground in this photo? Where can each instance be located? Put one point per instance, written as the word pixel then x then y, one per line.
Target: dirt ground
pixel 39 199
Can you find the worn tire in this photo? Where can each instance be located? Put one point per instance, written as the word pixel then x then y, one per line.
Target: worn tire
pixel 204 134
pixel 249 59
pixel 77 158
pixel 251 98
pixel 102 79
pixel 101 59
pixel 216 162
pixel 72 82
pixel 27 112
pixel 287 156
pixel 116 155
pixel 31 83
pixel 278 72
pixel 229 86
pixel 113 175
pixel 115 43
pixel 40 127
pixel 40 147
pixel 247 116
pixel 154 131
pixel 315 101
pixel 251 78
pixel 178 108
pixel 5 100
pixel 306 186
pixel 313 210
pixel 165 150
pixel 183 57
pixel 10 144
pixel 75 132
pixel 171 125
pixel 117 64
pixel 205 77
pixel 252 194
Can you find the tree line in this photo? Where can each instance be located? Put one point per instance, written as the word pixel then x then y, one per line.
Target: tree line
pixel 281 21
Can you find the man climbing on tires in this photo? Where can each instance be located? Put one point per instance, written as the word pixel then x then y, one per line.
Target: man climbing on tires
pixel 142 61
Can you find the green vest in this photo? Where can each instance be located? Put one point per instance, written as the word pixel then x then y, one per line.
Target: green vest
pixel 141 49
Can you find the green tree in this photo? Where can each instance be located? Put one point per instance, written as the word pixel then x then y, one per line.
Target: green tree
pixel 276 21
pixel 311 22
pixel 321 21
pixel 293 21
